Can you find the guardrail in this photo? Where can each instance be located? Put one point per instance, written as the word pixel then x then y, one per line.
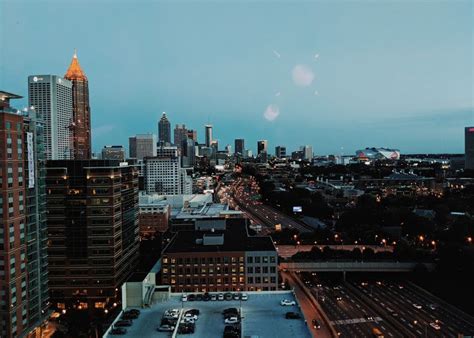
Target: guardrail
pixel 354 266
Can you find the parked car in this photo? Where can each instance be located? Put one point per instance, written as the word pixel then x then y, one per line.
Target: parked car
pixel 129 315
pixel 190 316
pixel 122 323
pixel 292 315
pixel 220 296
pixel 134 311
pixel 244 296
pixel 231 328
pixel 231 320
pixel 165 328
pixel 191 298
pixel 418 306
pixel 198 297
pixel 435 326
pixel 228 296
pixel 206 297
pixel 188 320
pixel 185 328
pixel 194 312
pixel 316 324
pixel 236 296
pixel 287 302
pixel 213 296
pixel 118 331
pixel 184 297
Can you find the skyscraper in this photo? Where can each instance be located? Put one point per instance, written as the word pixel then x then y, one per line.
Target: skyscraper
pixel 192 134
pixel 93 231
pixel 280 151
pixel 208 133
pixel 469 147
pixel 23 234
pixel 180 135
pixel 81 126
pixel 142 145
pixel 188 153
pixel 51 96
pixel 164 130
pixel 239 146
pixel 307 152
pixel 262 146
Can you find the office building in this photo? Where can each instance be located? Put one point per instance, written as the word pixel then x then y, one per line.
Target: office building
pixel 142 145
pixel 51 96
pixel 93 231
pixel 154 215
pixel 469 147
pixel 164 130
pixel 81 111
pixel 220 259
pixel 164 174
pixel 113 153
pixel 208 133
pixel 24 293
pixel 307 152
pixel 188 153
pixel 228 149
pixel 180 135
pixel 192 134
pixel 262 146
pixel 280 151
pixel 239 145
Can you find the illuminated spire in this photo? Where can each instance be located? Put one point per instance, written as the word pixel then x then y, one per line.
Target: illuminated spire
pixel 74 71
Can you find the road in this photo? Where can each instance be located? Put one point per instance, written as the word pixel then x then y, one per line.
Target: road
pixel 286 251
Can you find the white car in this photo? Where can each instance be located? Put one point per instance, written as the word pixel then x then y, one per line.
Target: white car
pixel 435 326
pixel 418 306
pixel 190 316
pixel 287 302
pixel 188 320
pixel 231 320
pixel 184 297
pixel 244 297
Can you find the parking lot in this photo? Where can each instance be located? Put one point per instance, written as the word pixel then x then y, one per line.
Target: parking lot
pixel 262 315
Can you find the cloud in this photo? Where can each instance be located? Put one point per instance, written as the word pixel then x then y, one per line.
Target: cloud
pixel 276 54
pixel 101 130
pixel 302 75
pixel 272 112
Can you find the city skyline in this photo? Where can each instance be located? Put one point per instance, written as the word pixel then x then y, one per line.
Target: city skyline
pixel 337 87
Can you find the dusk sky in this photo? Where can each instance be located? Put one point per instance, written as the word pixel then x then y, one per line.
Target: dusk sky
pixel 338 75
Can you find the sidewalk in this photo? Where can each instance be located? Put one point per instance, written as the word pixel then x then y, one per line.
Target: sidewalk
pixel 310 312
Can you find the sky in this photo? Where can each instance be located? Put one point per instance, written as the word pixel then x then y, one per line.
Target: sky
pixel 337 75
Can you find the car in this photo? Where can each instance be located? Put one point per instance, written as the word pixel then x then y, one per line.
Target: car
pixel 418 306
pixel 287 302
pixel 369 318
pixel 185 328
pixel 435 326
pixel 316 324
pixel 213 296
pixel 134 311
pixel 339 298
pixel 122 323
pixel 244 296
pixel 231 320
pixel 190 316
pixel 165 328
pixel 184 297
pixel 231 328
pixel 194 312
pixel 364 283
pixel 198 297
pixel 230 310
pixel 191 298
pixel 118 331
pixel 188 320
pixel 206 297
pixel 220 296
pixel 236 296
pixel 292 315
pixel 169 321
pixel 228 296
pixel 129 315
pixel 433 306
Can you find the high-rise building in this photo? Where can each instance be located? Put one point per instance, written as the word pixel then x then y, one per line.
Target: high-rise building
pixel 307 152
pixel 228 149
pixel 208 133
pixel 262 146
pixel 113 153
pixel 142 145
pixel 164 174
pixel 188 154
pixel 93 231
pixel 24 293
pixel 192 134
pixel 469 147
pixel 81 125
pixel 51 96
pixel 164 130
pixel 180 135
pixel 239 145
pixel 280 151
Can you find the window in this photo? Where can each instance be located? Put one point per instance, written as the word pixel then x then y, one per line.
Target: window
pixel 249 259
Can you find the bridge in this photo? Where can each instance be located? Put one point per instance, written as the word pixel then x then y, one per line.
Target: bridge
pixel 353 266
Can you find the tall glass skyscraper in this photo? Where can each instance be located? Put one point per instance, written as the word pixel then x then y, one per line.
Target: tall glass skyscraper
pixel 164 130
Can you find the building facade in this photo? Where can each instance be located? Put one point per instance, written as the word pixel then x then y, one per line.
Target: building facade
pixel 142 145
pixel 81 126
pixel 24 300
pixel 164 130
pixel 93 231
pixel 180 136
pixel 113 153
pixel 239 145
pixel 262 146
pixel 469 147
pixel 51 97
pixel 280 151
pixel 208 133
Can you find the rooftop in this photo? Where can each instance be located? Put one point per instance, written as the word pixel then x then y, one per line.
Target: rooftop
pixel 262 316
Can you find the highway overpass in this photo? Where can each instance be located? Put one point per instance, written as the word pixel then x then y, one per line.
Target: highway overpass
pixel 353 266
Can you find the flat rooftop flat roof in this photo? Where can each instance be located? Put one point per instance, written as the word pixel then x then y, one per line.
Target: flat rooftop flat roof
pixel 262 316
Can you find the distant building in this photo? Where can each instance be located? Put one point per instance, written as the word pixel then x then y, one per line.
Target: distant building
pixel 239 145
pixel 469 147
pixel 188 155
pixel 280 151
pixel 192 134
pixel 378 154
pixel 93 231
pixel 24 292
pixel 297 155
pixel 81 123
pixel 113 153
pixel 307 152
pixel 228 149
pixel 142 145
pixel 262 146
pixel 164 130
pixel 208 133
pixel 51 97
pixel 180 135
pixel 154 215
